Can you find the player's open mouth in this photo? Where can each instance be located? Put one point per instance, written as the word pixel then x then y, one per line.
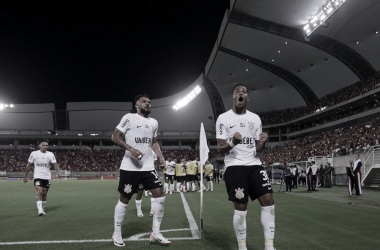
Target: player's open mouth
pixel 240 99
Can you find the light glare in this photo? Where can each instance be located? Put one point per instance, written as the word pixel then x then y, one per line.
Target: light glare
pixel 186 100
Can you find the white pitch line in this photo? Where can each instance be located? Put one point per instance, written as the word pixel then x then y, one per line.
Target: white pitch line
pixel 81 241
pixel 193 228
pixel 138 236
pixel 190 218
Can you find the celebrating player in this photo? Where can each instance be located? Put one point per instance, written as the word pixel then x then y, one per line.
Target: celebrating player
pixel 42 176
pixel 239 135
pixel 137 166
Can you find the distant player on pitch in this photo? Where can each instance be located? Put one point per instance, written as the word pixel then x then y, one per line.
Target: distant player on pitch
pixel 137 166
pixel 42 176
pixel 239 135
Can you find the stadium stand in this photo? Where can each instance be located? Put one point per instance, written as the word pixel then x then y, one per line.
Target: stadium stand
pixel 344 94
pixel 15 160
pixel 336 142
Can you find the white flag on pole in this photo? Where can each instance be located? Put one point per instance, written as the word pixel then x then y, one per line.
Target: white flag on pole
pixel 203 148
pixel 203 152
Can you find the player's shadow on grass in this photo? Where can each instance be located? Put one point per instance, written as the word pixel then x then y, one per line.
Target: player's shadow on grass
pixel 53 208
pixel 133 227
pixel 217 240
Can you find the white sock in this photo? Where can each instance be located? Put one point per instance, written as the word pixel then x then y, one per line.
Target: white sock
pixel 208 185
pixel 138 205
pixel 43 204
pixel 158 213
pixel 178 186
pixel 119 216
pixel 39 205
pixel 146 193
pixel 240 226
pixel 151 205
pixel 183 188
pixel 194 187
pixel 187 185
pixel 267 220
pixel 171 187
pixel 166 187
pixel 212 185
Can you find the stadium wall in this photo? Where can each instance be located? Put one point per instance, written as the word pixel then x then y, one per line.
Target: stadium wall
pixel 96 115
pixel 28 117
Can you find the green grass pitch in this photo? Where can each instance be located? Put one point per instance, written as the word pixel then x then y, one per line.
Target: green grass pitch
pixel 83 210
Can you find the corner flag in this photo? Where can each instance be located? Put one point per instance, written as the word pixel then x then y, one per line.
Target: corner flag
pixel 203 152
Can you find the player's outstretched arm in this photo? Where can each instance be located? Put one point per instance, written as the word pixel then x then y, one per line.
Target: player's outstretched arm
pixel 156 149
pixel 116 138
pixel 260 143
pixel 27 171
pixel 57 169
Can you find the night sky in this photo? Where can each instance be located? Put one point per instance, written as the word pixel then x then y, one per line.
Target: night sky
pixel 62 51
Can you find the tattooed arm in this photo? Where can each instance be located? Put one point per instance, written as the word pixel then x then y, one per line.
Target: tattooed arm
pixel 157 151
pixel 116 138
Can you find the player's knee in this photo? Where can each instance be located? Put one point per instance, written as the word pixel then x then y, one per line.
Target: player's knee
pixel 240 206
pixel 124 199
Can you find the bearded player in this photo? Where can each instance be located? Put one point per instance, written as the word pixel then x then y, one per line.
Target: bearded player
pixel 137 166
pixel 239 135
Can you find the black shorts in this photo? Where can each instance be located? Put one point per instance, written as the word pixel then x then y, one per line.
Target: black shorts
pixel 198 177
pixel 191 177
pixel 169 177
pixel 179 178
pixel 208 178
pixel 244 181
pixel 42 183
pixel 131 181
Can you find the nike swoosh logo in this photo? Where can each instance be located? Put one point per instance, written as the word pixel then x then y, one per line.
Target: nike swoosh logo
pixel 139 126
pixel 269 188
pixel 232 126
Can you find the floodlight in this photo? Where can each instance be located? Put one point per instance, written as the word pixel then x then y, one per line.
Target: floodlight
pixel 182 103
pixel 320 18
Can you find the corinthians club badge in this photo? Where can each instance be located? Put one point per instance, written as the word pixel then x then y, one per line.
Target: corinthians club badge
pixel 128 188
pixel 239 193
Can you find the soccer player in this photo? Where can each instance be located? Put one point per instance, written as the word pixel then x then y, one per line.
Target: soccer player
pixel 199 169
pixel 137 166
pixel 170 166
pixel 183 162
pixel 42 176
pixel 239 135
pixel 191 170
pixel 178 174
pixel 209 169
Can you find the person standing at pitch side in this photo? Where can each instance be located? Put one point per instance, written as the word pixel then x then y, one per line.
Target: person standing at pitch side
pixel 137 167
pixel 239 135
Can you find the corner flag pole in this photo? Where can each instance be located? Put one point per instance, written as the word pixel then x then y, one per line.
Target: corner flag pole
pixel 203 151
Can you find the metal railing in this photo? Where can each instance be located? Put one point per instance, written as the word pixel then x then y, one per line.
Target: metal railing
pixel 371 158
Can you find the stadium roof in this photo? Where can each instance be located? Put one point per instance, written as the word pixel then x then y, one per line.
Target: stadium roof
pixel 261 45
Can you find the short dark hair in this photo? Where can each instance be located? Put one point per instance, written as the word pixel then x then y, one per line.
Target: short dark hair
pixel 313 162
pixel 44 140
pixel 239 84
pixel 139 96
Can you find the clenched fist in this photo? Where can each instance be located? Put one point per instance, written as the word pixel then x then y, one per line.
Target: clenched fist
pixel 263 138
